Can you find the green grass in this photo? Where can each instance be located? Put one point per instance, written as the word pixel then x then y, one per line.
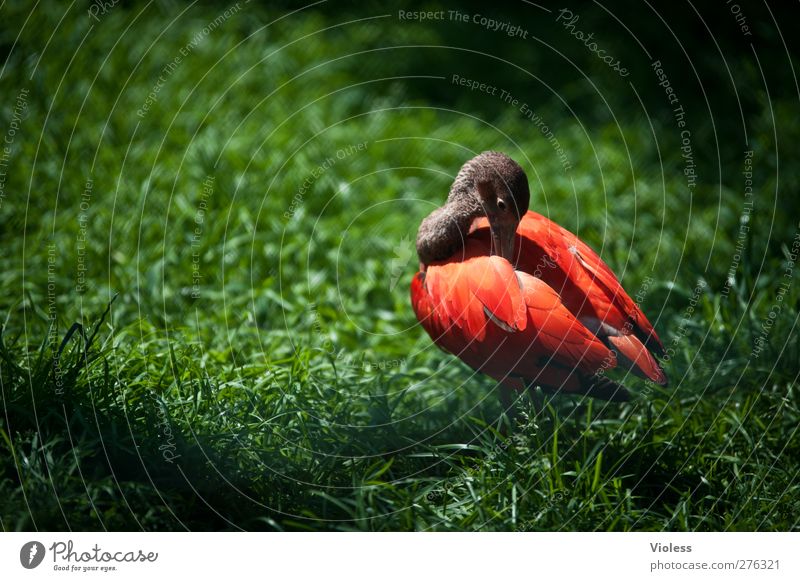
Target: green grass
pixel 297 391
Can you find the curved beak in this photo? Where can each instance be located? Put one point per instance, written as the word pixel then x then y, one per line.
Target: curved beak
pixel 503 240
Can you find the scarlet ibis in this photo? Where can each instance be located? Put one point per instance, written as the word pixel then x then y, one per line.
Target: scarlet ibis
pixel 521 299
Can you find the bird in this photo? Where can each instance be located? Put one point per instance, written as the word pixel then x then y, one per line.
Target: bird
pixel 521 299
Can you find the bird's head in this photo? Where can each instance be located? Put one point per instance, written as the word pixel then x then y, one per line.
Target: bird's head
pixel 499 190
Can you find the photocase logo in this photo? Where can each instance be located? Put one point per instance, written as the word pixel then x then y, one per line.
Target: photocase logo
pixel 402 256
pixel 31 554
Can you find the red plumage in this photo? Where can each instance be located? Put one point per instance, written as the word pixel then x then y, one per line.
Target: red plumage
pixel 560 319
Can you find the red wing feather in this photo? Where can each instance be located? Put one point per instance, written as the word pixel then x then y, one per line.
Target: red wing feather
pixel 503 323
pixel 588 287
pixel 557 330
pixel 637 358
pixel 475 292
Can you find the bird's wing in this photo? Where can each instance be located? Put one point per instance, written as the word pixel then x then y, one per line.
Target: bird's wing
pixel 502 321
pixel 589 281
pixel 472 294
pixel 558 331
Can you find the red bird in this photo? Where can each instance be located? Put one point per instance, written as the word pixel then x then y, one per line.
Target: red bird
pixel 519 298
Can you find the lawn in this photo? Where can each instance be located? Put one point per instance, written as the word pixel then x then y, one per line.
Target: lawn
pixel 207 223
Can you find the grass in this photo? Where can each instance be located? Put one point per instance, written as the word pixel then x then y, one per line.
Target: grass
pixel 243 354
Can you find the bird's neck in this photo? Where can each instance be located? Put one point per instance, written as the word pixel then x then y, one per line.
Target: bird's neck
pixel 445 230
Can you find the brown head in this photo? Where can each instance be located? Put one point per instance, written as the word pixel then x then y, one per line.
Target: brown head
pixel 500 187
pixel 490 184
